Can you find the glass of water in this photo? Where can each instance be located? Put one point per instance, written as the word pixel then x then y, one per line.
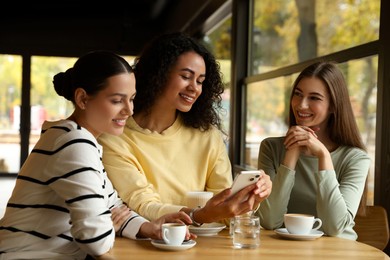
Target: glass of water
pixel 246 232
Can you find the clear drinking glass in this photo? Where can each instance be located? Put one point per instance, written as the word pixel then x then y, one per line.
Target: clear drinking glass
pixel 246 232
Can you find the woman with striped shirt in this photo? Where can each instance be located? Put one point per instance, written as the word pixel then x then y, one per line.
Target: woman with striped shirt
pixel 63 205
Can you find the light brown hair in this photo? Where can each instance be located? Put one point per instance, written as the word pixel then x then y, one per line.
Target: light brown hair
pixel 342 127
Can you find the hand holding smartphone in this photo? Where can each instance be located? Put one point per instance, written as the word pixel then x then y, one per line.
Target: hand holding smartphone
pixel 243 179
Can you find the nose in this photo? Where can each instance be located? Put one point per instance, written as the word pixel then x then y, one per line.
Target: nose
pixel 304 103
pixel 194 86
pixel 128 108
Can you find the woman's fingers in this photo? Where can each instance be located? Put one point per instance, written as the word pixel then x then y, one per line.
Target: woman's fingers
pixel 266 187
pixel 179 217
pixel 119 215
pixel 299 136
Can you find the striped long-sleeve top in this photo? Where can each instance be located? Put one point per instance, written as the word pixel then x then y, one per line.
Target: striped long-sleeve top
pixel 60 206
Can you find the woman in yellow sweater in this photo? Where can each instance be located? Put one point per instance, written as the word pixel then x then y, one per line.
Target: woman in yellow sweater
pixel 173 143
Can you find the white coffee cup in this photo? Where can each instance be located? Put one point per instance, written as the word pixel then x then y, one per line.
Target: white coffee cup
pixel 301 224
pixel 174 233
pixel 198 199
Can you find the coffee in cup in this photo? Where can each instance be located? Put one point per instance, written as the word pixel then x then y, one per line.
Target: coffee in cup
pixel 301 224
pixel 173 233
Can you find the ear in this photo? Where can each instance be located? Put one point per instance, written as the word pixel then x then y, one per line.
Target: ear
pixel 80 98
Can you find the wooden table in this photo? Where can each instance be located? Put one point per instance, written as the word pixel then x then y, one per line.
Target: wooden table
pixel 271 247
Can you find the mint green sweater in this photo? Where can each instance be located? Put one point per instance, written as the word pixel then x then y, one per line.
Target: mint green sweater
pixel 333 196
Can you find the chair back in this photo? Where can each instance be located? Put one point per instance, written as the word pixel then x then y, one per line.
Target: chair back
pixel 373 228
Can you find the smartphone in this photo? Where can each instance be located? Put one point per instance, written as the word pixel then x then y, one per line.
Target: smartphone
pixel 243 179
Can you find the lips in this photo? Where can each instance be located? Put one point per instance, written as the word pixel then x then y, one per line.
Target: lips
pixel 120 122
pixel 304 115
pixel 189 99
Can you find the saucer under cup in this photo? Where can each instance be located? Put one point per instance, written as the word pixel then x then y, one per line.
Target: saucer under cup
pixel 207 229
pixel 184 246
pixel 301 224
pixel 314 234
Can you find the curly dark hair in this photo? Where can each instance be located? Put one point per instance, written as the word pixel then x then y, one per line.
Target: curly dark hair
pixel 153 66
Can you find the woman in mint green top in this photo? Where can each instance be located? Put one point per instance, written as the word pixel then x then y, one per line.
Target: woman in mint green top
pixel 320 167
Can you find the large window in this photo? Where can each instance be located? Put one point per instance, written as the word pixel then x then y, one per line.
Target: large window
pixel 219 42
pixel 10 99
pixel 267 114
pixel 45 104
pixel 287 33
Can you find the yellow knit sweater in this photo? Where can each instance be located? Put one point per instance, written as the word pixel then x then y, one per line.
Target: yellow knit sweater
pixel 152 172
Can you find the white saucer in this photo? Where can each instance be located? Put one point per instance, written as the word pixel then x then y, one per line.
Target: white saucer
pixel 314 234
pixel 161 244
pixel 207 229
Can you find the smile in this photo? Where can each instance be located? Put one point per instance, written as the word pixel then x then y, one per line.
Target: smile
pixel 121 122
pixel 303 114
pixel 188 98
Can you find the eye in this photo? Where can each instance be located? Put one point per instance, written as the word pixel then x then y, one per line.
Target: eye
pixel 199 82
pixel 297 93
pixel 132 98
pixel 185 76
pixel 116 100
pixel 315 98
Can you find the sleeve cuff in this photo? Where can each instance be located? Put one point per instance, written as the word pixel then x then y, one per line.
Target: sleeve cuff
pixel 132 227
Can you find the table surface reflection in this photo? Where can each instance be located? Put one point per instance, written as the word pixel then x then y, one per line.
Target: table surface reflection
pixel 272 247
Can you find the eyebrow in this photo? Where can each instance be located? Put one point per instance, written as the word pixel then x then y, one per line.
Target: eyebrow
pixel 311 93
pixel 119 94
pixel 192 72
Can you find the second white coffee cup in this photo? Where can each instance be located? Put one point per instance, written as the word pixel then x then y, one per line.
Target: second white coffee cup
pixel 198 199
pixel 174 233
pixel 301 224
